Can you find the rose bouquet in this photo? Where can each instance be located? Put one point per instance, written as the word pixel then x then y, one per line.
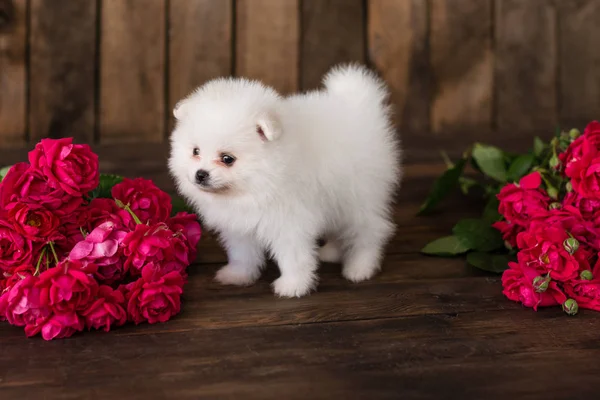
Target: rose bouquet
pixel 82 250
pixel 540 226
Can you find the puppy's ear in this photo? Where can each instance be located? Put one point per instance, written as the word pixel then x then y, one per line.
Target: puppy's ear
pixel 180 109
pixel 268 127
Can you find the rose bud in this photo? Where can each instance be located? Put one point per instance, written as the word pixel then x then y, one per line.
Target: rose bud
pixel 586 275
pixel 554 206
pixel 571 245
pixel 552 192
pixel 570 307
pixel 569 187
pixel 540 283
pixel 574 134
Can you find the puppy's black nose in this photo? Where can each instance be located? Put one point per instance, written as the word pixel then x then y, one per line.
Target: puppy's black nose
pixel 201 176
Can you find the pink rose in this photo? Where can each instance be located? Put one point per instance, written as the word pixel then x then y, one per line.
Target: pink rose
pixel 68 287
pixel 509 231
pixel 154 297
pixel 544 249
pixel 22 305
pixel 103 210
pixel 23 184
pixel 102 247
pixel 517 282
pixel 188 225
pixel 107 310
pixel 157 244
pixel 518 203
pixel 34 221
pixel 10 277
pixel 70 167
pixel 61 325
pixel 15 249
pixel 148 202
pixel 589 140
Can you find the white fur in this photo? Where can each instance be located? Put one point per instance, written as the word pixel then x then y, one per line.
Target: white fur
pixel 327 166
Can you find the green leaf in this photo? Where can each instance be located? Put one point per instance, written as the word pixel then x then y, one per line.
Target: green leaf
pixel 107 181
pixel 446 246
pixel 538 146
pixel 520 167
pixel 490 160
pixel 443 186
pixel 490 212
pixel 496 263
pixel 179 205
pixel 477 234
pixel 4 171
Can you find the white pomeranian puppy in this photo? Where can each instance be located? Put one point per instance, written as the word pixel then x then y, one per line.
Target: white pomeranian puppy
pixel 273 174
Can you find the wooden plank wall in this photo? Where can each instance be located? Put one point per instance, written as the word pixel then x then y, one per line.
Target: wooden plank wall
pixel 110 71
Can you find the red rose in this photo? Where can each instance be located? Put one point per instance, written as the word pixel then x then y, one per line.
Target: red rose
pixel 587 207
pixel 107 310
pixel 15 250
pixel 68 287
pixel 509 231
pixel 576 150
pixel 103 210
pixel 157 244
pixel 545 249
pixel 23 184
pixel 10 277
pixel 62 325
pixel 34 221
pixel 102 247
pixel 22 305
pixel 518 203
pixel 585 172
pixel 148 202
pixel 153 297
pixel 70 167
pixel 187 224
pixel 518 284
pixel 569 219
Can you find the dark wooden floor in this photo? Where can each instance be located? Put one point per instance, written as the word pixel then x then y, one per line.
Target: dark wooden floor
pixel 425 328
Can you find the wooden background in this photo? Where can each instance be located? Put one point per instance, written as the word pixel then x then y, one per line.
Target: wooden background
pixel 110 71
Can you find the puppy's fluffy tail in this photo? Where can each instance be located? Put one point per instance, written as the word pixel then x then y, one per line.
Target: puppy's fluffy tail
pixel 356 84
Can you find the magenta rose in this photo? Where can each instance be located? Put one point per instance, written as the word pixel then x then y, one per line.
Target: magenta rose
pixel 24 184
pixel 102 248
pixel 107 310
pixel 156 244
pixel 154 297
pixel 70 167
pixel 34 221
pixel 188 225
pixel 518 203
pixel 590 140
pixel 15 249
pixel 11 276
pixel 68 287
pixel 23 305
pixel 545 250
pixel 585 172
pixel 61 325
pixel 144 198
pixel 509 231
pixel 518 284
pixel 588 208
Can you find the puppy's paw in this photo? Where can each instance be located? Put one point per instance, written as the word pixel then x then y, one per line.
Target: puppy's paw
pixel 358 273
pixel 330 252
pixel 294 286
pixel 234 274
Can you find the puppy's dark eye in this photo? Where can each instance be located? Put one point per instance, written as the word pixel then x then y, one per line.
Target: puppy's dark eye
pixel 196 151
pixel 227 159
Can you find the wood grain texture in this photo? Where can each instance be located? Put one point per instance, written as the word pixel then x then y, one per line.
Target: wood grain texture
pixel 333 32
pixel 62 72
pixel 13 72
pixel 398 49
pixel 526 64
pixel 267 42
pixel 579 41
pixel 200 45
pixel 132 71
pixel 462 66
